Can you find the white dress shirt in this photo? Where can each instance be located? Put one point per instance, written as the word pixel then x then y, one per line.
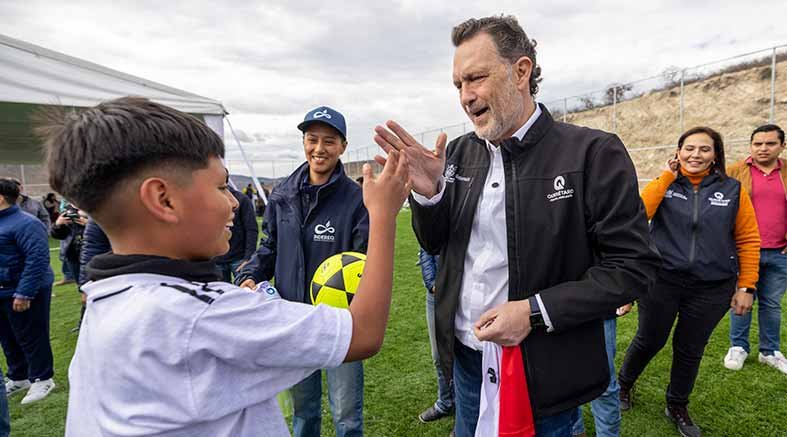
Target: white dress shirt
pixel 485 280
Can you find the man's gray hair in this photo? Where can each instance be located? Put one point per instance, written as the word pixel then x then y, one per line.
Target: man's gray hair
pixel 510 40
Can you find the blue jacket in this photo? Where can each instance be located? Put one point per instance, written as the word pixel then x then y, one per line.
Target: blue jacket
pixel 428 265
pixel 291 247
pixel 94 242
pixel 694 231
pixel 24 255
pixel 245 232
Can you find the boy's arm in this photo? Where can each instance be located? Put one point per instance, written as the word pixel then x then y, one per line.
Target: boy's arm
pixel 33 242
pixel 383 197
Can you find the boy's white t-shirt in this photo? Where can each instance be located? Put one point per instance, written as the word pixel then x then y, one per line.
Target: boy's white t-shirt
pixel 161 356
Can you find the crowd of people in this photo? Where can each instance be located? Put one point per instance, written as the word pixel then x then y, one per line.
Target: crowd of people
pixel 534 238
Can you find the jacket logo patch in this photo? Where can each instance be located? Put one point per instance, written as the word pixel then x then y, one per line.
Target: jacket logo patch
pixel 561 192
pixel 670 194
pixel 450 172
pixel 324 232
pixel 719 200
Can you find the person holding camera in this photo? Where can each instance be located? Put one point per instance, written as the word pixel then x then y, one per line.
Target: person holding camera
pixel 703 224
pixel 69 228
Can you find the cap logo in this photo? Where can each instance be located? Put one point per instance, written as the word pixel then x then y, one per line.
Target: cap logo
pixel 321 114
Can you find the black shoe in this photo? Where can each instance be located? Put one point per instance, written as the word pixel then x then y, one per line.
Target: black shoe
pixel 432 413
pixel 680 415
pixel 625 398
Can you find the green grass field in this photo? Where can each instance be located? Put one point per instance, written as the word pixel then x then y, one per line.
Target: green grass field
pixel 400 381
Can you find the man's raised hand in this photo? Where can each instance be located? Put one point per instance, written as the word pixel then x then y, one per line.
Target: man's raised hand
pixel 425 166
pixel 386 193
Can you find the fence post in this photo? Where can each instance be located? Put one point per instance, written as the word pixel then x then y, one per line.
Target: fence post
pixel 614 109
pixel 682 78
pixel 565 110
pixel 773 86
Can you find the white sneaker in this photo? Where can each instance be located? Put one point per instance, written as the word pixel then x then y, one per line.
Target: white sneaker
pixel 776 360
pixel 38 390
pixel 12 387
pixel 735 358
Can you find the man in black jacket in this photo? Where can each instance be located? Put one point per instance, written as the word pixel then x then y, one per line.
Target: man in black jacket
pixel 539 227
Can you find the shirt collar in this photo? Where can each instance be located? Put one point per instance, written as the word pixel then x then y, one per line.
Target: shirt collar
pixel 522 131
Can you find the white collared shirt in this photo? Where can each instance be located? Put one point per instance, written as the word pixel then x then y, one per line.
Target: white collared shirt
pixel 485 280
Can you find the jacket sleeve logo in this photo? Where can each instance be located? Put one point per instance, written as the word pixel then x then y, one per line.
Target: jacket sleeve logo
pixel 561 191
pixel 324 232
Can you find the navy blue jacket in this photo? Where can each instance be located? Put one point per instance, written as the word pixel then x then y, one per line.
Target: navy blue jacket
pixel 94 242
pixel 292 247
pixel 695 231
pixel 245 233
pixel 24 255
pixel 428 265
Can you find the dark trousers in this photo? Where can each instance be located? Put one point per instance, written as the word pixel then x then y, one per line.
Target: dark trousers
pixel 25 338
pixel 698 306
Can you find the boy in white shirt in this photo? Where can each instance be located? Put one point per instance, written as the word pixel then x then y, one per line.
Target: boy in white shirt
pixel 165 349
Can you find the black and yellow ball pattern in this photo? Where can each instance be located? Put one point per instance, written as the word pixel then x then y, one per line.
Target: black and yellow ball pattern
pixel 337 279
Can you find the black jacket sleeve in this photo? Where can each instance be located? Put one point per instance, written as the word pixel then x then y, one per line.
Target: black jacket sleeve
pixel 246 210
pixel 262 263
pixel 431 223
pixel 617 226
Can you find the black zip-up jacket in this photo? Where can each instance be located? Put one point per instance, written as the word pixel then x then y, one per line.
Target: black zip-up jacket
pixel 337 222
pixel 577 234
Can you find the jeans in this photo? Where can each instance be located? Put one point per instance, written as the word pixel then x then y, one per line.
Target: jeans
pixel 770 290
pixel 445 390
pixel 345 395
pixel 228 270
pixel 467 397
pixel 699 306
pixel 65 267
pixel 5 422
pixel 25 338
pixel 605 408
pixel 74 268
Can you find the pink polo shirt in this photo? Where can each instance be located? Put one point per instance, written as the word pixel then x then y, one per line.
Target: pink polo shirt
pixel 770 206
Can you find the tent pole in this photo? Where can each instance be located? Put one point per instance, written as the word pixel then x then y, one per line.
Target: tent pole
pixel 260 191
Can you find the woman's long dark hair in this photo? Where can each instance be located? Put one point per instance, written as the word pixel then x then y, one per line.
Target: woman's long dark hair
pixel 718 165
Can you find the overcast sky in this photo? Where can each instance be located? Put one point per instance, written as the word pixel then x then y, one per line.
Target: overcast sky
pixel 271 61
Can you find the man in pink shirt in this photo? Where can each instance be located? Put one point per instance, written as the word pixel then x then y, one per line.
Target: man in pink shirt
pixel 764 175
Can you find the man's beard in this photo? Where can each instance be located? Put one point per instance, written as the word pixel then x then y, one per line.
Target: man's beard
pixel 504 112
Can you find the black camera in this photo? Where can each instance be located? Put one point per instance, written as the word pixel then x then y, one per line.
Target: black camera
pixel 70 212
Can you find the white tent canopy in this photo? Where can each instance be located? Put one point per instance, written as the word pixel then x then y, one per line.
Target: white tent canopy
pixel 31 76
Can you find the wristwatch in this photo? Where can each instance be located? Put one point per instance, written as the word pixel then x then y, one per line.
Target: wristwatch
pixel 536 318
pixel 750 290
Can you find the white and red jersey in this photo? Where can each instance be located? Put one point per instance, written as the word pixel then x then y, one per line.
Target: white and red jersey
pixel 505 402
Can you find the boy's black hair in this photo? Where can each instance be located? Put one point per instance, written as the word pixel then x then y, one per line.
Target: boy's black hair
pixel 9 190
pixel 91 152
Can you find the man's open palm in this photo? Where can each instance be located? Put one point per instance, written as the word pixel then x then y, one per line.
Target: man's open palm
pixel 425 166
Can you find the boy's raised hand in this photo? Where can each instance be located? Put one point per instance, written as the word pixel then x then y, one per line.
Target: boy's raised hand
pixel 385 194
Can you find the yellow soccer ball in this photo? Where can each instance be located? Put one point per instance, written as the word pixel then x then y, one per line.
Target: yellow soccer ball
pixel 337 279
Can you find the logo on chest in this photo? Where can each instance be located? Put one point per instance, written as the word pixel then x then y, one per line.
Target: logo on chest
pixel 324 232
pixel 670 194
pixel 561 190
pixel 719 200
pixel 451 176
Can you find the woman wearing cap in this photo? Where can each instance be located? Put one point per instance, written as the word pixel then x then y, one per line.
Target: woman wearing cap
pixel 703 224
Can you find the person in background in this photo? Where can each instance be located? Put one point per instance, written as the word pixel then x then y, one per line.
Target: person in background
pixel 69 229
pixel 703 224
pixel 249 191
pixel 25 289
pixel 94 242
pixel 51 204
pixel 764 175
pixel 316 212
pixel 243 242
pixel 444 405
pixel 31 206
